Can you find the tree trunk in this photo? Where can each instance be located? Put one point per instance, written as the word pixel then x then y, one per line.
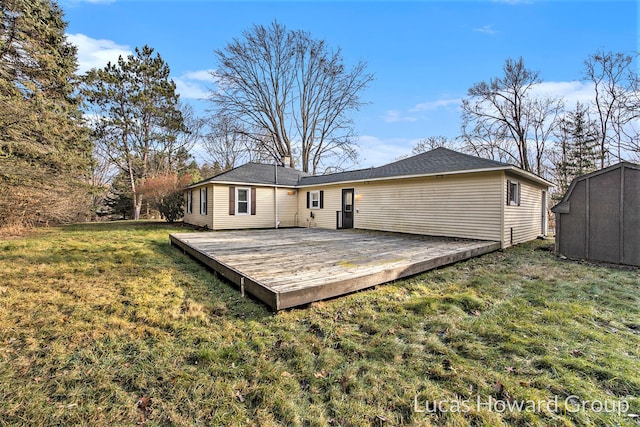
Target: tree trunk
pixel 137 206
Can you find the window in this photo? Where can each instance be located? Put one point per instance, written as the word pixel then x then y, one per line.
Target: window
pixel 203 201
pixel 190 201
pixel 513 193
pixel 315 199
pixel 243 203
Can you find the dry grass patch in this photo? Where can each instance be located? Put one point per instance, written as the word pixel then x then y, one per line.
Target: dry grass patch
pixel 107 324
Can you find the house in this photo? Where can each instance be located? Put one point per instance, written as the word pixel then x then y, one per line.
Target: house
pixel 439 193
pixel 599 216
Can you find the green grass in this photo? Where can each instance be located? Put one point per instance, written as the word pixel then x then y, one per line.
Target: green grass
pixel 106 324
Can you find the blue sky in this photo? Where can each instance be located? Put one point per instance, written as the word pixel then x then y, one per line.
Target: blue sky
pixel 424 54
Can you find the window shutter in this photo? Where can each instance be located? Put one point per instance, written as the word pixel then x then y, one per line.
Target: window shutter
pixel 232 200
pixel 308 199
pixel 508 191
pixel 518 195
pixel 253 200
pixel 321 199
pixel 206 200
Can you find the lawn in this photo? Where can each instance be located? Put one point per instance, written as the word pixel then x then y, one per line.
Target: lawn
pixel 106 324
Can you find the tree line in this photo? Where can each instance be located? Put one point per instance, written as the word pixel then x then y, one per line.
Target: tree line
pixel 506 118
pixel 118 142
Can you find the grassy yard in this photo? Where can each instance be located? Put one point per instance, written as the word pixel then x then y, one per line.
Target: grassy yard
pixel 108 325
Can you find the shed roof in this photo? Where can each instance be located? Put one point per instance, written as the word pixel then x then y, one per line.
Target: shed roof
pixel 561 207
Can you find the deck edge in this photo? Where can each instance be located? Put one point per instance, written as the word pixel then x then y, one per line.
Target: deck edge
pixel 253 287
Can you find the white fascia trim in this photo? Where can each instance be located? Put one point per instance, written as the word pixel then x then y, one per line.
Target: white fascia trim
pixel 244 184
pixel 513 169
pixel 531 176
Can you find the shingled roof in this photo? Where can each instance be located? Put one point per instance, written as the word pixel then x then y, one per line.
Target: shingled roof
pixel 257 173
pixel 440 160
pixel 434 162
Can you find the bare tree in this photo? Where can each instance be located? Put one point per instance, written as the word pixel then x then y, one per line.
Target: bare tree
pixel 615 102
pixel 102 174
pixel 503 119
pixel 176 151
pixel 292 94
pixel 544 115
pixel 431 143
pixel 225 143
pixel 487 139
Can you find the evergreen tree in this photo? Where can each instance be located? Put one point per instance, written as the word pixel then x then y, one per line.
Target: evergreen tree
pixel 118 201
pixel 45 153
pixel 139 116
pixel 579 146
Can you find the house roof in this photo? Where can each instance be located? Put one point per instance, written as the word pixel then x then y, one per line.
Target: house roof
pixel 257 173
pixel 434 162
pixel 438 161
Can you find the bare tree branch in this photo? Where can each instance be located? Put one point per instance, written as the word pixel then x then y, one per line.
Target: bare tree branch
pixel 292 94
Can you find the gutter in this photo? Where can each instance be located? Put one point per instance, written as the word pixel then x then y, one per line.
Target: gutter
pixel 529 175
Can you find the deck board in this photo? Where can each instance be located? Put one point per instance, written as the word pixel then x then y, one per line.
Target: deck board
pixel 290 267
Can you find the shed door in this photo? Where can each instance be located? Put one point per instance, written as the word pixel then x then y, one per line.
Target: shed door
pixel 347 208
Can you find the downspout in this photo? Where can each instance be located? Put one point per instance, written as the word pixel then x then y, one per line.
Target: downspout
pixel 275 195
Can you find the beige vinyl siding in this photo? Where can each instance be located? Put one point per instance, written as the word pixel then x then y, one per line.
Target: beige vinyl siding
pixel 466 205
pixel 526 219
pixel 325 217
pixel 288 207
pixel 195 218
pixel 265 211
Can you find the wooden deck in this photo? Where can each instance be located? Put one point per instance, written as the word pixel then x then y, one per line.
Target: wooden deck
pixel 291 267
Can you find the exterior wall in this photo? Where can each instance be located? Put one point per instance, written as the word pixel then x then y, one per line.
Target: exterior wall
pixel 265 210
pixel 288 207
pixel 465 206
pixel 325 217
pixel 525 221
pixel 195 218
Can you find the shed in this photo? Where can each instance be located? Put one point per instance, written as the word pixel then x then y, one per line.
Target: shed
pixel 599 216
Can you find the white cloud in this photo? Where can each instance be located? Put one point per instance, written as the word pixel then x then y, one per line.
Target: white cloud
pixel 189 89
pixel 395 116
pixel 375 151
pixel 96 53
pixel 201 75
pixel 195 84
pixel 434 105
pixel 486 29
pixel 572 92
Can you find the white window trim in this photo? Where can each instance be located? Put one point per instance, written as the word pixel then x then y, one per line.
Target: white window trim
pixel 248 190
pixel 515 201
pixel 203 201
pixel 311 194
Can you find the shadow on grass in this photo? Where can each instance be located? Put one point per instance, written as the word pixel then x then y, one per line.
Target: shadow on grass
pixel 225 291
